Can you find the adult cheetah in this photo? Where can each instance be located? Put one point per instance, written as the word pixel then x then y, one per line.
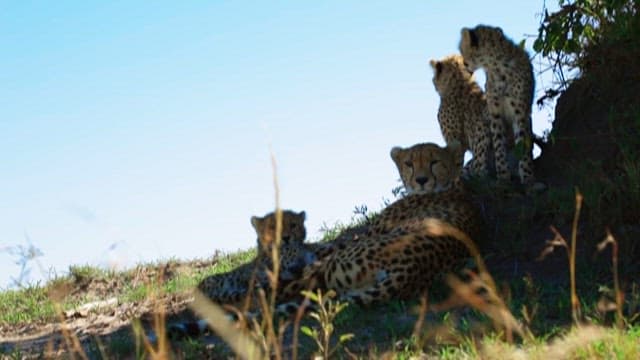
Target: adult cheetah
pixel 404 251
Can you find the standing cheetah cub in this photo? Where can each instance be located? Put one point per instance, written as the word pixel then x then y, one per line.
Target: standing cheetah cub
pixel 509 91
pixel 463 114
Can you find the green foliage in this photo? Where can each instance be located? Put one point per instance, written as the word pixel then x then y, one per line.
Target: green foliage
pixel 579 24
pixel 361 217
pixel 25 305
pixel 83 273
pixel 567 38
pixel 325 314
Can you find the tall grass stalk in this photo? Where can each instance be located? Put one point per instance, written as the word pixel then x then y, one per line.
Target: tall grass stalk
pixel 575 303
pixel 619 295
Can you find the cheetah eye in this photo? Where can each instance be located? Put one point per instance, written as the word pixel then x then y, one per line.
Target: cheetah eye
pixel 433 163
pixel 408 163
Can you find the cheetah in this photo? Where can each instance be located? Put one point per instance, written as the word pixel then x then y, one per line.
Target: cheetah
pixel 509 91
pixel 431 177
pixel 232 287
pixel 463 114
pixel 401 255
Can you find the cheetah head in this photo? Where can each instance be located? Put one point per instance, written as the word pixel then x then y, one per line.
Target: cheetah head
pixel 449 72
pixel 478 42
pixel 293 230
pixel 429 168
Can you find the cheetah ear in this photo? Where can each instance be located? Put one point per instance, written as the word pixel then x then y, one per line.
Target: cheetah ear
pixel 436 65
pixel 303 215
pixel 470 37
pixel 255 222
pixel 396 152
pixel 473 37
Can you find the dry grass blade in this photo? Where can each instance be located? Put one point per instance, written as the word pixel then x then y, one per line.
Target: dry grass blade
pixel 492 305
pixel 217 319
pixel 249 296
pixel 296 326
pixel 161 351
pixel 619 295
pixel 495 308
pixel 557 241
pixel 267 311
pixel 422 311
pixel 437 227
pixel 275 249
pixel 575 303
pixel 71 340
pixel 268 328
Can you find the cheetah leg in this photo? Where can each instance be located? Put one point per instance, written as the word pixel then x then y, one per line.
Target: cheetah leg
pixel 375 293
pixel 479 148
pixel 226 294
pixel 498 139
pixel 383 290
pixel 524 141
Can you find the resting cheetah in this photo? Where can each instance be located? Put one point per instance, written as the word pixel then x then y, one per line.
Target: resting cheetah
pixel 509 91
pixel 463 114
pixel 401 256
pixel 431 177
pixel 232 287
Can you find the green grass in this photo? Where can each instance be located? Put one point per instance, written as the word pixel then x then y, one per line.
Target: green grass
pixel 36 303
pixel 380 329
pixel 25 306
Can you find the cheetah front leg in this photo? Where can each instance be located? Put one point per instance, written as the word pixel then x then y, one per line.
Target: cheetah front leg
pixel 223 292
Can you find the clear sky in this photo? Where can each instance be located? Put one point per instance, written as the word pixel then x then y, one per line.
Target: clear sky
pixel 137 131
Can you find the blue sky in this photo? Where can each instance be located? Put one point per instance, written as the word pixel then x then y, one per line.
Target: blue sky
pixel 137 131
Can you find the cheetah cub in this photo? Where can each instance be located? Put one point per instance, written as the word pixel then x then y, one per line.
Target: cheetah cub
pixel 509 91
pixel 463 114
pixel 232 287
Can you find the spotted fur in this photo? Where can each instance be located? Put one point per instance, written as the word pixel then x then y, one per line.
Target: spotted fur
pixel 509 91
pixel 463 114
pixel 232 287
pixel 401 256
